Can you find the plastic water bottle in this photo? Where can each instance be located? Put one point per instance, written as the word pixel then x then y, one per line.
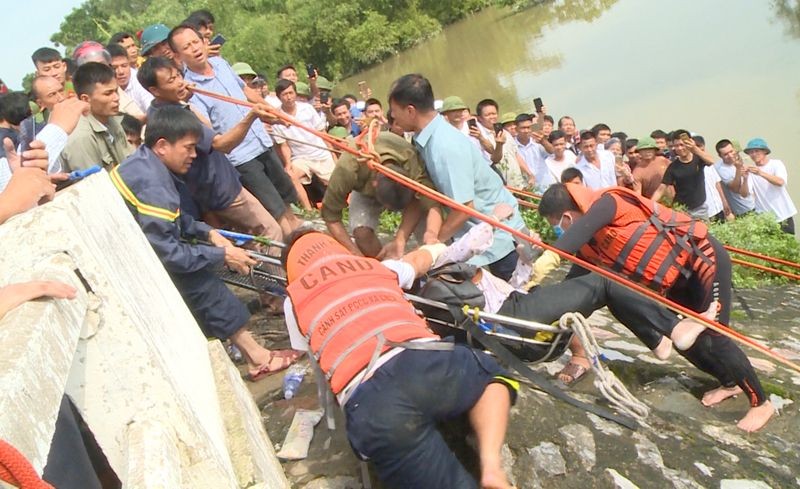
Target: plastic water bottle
pixel 292 380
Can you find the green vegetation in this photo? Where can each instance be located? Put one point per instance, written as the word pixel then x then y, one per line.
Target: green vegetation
pixel 339 37
pixel 761 234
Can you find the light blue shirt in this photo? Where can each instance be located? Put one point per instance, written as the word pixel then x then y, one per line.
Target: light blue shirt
pixel 225 115
pixel 739 205
pixel 598 178
pixel 459 171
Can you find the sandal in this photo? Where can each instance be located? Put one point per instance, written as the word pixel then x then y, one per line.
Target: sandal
pixel 287 357
pixel 572 373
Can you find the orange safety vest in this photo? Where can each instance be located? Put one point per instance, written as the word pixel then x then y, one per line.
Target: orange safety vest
pixel 647 242
pixel 343 304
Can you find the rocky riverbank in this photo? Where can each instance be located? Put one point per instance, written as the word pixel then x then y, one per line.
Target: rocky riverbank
pixel 550 444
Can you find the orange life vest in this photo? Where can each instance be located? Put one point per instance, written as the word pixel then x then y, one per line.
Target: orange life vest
pixel 647 242
pixel 343 303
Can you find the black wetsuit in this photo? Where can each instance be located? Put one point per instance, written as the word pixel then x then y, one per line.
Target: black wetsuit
pixel 712 353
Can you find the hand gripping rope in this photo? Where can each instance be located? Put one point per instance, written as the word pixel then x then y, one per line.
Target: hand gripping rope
pixel 367 155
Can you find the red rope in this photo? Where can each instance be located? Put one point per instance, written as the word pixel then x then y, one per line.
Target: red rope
pixel 17 471
pixel 374 164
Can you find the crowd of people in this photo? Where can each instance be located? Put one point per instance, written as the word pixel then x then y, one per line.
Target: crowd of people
pixel 188 163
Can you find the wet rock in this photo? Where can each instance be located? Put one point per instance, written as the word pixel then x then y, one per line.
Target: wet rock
pixel 604 426
pixel 779 402
pixel 580 442
pixel 547 459
pixel 743 484
pixel 774 465
pixel 334 483
pixel 618 481
pixel 649 358
pixel 726 437
pixel 727 455
pixel 627 346
pixel 507 458
pixel 763 365
pixel 610 354
pixel 704 469
pixel 648 452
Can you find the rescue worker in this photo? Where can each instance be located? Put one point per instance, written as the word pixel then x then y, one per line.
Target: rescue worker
pixel 367 201
pixel 669 252
pixel 212 181
pixel 151 182
pixel 393 377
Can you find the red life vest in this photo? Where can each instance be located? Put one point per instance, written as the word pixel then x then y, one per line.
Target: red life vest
pixel 647 242
pixel 342 304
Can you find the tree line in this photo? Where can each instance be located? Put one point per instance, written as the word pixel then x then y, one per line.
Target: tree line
pixel 339 37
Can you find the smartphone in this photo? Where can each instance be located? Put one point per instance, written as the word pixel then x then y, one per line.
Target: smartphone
pixel 323 97
pixel 537 104
pixel 219 39
pixel 498 128
pixel 685 137
pixel 311 71
pixel 472 123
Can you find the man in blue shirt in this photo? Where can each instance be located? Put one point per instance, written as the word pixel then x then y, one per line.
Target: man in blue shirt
pixel 457 169
pixel 255 159
pixel 212 181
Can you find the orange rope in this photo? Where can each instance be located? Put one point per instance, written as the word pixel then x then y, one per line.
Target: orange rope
pixel 17 471
pixel 765 269
pixel 524 193
pixel 443 199
pixel 525 203
pixel 762 257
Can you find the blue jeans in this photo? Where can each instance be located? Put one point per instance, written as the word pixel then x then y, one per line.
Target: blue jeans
pixel 392 417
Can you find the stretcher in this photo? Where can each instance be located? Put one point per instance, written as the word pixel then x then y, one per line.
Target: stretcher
pixel 516 342
pixel 530 341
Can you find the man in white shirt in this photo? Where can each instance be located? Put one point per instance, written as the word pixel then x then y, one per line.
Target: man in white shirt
pixel 457 114
pixel 597 165
pixel 498 146
pixel 555 164
pixel 534 149
pixel 733 174
pixel 303 153
pixel 767 183
pixel 126 77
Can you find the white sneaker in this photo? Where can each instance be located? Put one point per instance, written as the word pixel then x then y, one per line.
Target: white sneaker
pixel 477 240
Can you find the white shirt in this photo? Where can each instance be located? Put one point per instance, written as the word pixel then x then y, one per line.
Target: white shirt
pixel 739 205
pixel 276 102
pixel 553 169
pixel 598 178
pixel 141 97
pixel 713 200
pixel 769 197
pixel 306 115
pixel 54 138
pixel 533 154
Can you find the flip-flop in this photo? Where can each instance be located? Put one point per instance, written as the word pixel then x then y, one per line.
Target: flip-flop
pixel 287 358
pixel 573 371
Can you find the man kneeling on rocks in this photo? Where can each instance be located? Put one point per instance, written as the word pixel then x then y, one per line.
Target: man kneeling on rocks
pixel 151 182
pixel 394 378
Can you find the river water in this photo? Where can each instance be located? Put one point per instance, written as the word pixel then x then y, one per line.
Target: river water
pixel 720 68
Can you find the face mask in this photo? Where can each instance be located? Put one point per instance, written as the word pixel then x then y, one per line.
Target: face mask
pixel 557 229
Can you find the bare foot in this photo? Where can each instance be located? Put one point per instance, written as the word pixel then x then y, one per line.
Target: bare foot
pixel 494 478
pixel 663 349
pixel 719 394
pixel 756 417
pixel 685 334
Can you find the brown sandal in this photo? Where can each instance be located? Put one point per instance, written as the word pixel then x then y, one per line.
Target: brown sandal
pixel 287 357
pixel 572 373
